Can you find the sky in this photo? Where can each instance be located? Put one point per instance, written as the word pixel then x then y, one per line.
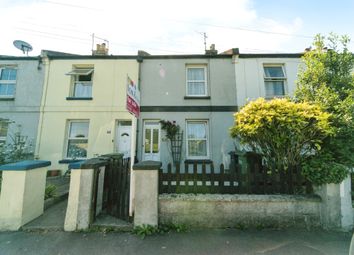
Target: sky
pixel 168 27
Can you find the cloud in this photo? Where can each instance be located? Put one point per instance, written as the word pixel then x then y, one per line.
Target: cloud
pixel 157 26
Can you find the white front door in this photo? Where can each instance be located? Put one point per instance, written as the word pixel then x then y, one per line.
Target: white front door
pixel 151 142
pixel 123 138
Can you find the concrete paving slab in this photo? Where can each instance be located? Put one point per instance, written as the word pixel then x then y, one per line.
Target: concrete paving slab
pixel 109 222
pixel 220 242
pixel 52 219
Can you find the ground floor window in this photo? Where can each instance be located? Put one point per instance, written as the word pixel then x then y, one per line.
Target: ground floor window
pixel 197 139
pixel 4 124
pixel 77 139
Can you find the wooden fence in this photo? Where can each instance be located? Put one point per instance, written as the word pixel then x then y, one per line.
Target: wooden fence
pixel 202 178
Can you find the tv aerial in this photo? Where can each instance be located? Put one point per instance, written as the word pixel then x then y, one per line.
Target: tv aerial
pixel 24 46
pixel 205 39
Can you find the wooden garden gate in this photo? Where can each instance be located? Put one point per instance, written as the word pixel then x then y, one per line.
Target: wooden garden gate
pixel 116 187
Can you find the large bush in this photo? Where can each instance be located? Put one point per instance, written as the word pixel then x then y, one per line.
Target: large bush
pixel 327 80
pixel 284 132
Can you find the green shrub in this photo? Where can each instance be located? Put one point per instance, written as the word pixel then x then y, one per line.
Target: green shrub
pixel 282 131
pixel 327 79
pixel 50 191
pixel 319 173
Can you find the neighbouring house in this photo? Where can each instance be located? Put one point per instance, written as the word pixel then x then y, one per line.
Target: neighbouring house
pixel 198 93
pixel 265 75
pixel 84 106
pixel 21 83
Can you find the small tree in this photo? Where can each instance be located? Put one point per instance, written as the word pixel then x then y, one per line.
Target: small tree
pixel 18 148
pixel 284 132
pixel 327 80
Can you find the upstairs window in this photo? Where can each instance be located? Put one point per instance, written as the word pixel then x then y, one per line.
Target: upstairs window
pixel 196 81
pixel 7 82
pixel 77 139
pixel 81 82
pixel 274 80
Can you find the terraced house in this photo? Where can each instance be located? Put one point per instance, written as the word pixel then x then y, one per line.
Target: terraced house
pixel 196 92
pixel 84 106
pixel 75 108
pixel 21 81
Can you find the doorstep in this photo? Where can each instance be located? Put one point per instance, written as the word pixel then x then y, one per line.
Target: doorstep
pixel 107 222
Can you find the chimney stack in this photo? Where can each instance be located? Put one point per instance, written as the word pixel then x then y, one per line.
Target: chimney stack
pixel 212 50
pixel 101 50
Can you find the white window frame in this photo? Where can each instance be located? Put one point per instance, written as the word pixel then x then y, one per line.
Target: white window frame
pixel 68 138
pixel 205 79
pixel 75 74
pixel 207 138
pixel 272 79
pixel 8 82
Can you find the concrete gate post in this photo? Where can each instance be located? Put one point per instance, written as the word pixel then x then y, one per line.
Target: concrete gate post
pixel 79 210
pixel 336 206
pixel 146 193
pixel 22 193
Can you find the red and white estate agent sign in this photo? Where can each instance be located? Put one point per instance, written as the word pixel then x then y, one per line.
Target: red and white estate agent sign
pixel 133 98
pixel 133 106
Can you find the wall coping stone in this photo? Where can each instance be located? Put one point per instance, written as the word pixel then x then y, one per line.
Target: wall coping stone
pixel 25 165
pixel 94 163
pixel 148 165
pixel 76 164
pixel 241 197
pixel 68 161
pixel 113 155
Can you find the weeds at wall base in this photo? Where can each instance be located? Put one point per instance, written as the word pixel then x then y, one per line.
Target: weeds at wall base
pixel 148 230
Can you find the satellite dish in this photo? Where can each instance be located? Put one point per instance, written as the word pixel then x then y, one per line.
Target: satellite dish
pixel 24 46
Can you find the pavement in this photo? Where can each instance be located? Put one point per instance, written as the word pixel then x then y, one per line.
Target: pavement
pixel 53 220
pixel 219 241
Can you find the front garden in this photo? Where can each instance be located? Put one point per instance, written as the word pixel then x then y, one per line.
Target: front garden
pixel 315 129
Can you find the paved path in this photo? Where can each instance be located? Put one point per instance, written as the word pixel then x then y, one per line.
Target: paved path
pixel 52 219
pixel 216 242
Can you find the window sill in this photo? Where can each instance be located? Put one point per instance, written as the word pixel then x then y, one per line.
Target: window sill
pixel 198 161
pixel 79 98
pixel 197 97
pixel 7 98
pixel 274 97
